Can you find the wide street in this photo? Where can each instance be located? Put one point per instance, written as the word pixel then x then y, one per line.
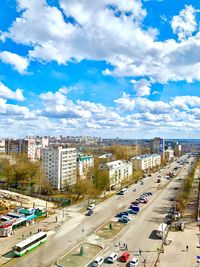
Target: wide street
pixel 138 235
pixel 141 232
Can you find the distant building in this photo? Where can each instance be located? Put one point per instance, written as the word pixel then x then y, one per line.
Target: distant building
pixel 146 161
pixel 157 146
pixel 117 171
pixel 84 163
pixel 171 144
pixel 169 154
pixel 59 165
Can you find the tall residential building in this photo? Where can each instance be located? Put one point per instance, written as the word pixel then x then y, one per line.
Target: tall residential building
pixel 59 165
pixel 84 164
pixel 146 161
pixel 157 146
pixel 117 171
pixel 21 146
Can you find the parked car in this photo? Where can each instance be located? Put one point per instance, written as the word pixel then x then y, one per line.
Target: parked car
pixel 141 183
pixel 135 203
pixel 91 207
pixel 112 258
pixel 124 257
pixel 124 219
pixel 159 180
pixel 143 200
pixel 119 215
pixel 98 262
pixel 130 211
pixel 89 213
pixel 134 262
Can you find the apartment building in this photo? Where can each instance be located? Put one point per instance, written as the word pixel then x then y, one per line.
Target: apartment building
pixel 21 146
pixel 169 154
pixel 84 163
pixel 59 165
pixel 146 161
pixel 117 171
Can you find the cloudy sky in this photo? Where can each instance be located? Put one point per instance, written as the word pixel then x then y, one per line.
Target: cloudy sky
pixel 126 68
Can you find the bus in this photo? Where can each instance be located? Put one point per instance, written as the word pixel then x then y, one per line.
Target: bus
pixel 161 231
pixel 29 244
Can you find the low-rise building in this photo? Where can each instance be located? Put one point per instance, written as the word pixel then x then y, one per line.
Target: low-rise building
pixel 117 171
pixel 84 164
pixel 59 165
pixel 146 161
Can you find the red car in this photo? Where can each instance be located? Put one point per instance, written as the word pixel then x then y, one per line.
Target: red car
pixel 125 256
pixel 143 200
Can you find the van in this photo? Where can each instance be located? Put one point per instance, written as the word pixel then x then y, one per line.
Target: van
pixel 123 191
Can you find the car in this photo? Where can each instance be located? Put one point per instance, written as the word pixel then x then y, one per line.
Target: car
pixel 158 181
pixel 168 220
pixel 119 215
pixel 135 203
pixel 91 207
pixel 143 200
pixel 124 257
pixel 124 219
pixel 149 175
pixel 89 213
pixel 134 262
pixel 112 258
pixel 141 183
pixel 130 211
pixel 172 199
pixel 175 188
pixel 98 262
pixel 150 193
pixel 144 195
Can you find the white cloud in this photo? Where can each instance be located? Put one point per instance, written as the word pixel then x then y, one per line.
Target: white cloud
pixel 19 63
pixel 137 54
pixel 142 87
pixel 7 93
pixel 185 23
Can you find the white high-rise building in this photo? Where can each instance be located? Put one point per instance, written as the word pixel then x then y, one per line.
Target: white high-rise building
pixel 59 165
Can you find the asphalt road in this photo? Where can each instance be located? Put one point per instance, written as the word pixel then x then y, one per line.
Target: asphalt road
pixel 79 226
pixel 141 231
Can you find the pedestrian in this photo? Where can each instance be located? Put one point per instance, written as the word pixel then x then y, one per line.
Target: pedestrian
pixel 187 248
pixel 30 233
pixel 22 236
pixel 119 244
pixel 126 247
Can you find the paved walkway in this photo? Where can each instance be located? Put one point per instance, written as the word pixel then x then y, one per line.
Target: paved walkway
pixel 176 254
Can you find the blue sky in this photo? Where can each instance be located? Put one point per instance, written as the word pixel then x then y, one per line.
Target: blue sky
pixel 106 68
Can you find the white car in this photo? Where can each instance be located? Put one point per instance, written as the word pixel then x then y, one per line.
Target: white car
pixel 91 207
pixel 98 262
pixel 112 258
pixel 134 262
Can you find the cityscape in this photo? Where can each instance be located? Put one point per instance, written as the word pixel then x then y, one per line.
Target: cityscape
pixel 99 133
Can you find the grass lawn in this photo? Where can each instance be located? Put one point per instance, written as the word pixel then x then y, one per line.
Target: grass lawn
pixel 106 232
pixel 74 259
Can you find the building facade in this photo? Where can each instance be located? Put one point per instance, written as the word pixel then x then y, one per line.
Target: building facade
pixel 59 165
pixel 117 171
pixel 146 161
pixel 84 164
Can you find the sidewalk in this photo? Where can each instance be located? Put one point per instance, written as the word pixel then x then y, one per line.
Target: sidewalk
pixel 176 254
